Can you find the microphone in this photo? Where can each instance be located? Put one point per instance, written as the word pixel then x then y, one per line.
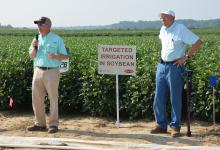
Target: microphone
pixel 36 37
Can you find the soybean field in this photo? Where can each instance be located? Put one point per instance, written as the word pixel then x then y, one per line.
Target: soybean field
pixel 84 91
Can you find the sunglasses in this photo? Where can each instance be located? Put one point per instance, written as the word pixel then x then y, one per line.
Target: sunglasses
pixel 164 18
pixel 41 24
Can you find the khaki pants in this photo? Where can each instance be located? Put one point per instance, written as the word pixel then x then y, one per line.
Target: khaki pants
pixel 45 82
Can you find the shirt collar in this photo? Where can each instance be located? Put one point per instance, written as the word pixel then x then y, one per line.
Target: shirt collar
pixel 171 27
pixel 46 36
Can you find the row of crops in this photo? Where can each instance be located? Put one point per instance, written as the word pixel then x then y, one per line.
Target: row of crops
pixel 84 91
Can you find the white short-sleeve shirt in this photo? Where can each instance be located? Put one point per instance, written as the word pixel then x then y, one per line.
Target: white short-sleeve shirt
pixel 174 41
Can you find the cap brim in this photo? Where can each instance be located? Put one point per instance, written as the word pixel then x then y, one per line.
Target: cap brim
pixel 40 21
pixel 37 22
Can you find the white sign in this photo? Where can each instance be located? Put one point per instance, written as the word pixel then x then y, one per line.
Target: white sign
pixel 64 67
pixel 115 59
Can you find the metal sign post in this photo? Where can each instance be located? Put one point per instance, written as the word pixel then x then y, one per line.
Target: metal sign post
pixel 213 100
pixel 213 83
pixel 117 102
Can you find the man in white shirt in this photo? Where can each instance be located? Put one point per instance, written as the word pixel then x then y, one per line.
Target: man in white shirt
pixel 174 38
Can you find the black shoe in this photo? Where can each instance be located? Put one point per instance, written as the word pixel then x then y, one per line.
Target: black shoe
pixel 53 129
pixel 36 128
pixel 158 130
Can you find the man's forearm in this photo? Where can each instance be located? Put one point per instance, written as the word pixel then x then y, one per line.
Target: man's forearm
pixel 62 57
pixel 194 48
pixel 58 56
pixel 32 53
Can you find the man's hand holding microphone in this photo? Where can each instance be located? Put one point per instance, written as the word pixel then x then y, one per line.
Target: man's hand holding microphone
pixel 34 44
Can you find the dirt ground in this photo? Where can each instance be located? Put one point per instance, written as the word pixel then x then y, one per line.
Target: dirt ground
pixel 90 128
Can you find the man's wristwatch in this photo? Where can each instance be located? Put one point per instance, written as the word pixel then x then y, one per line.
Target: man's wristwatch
pixel 187 56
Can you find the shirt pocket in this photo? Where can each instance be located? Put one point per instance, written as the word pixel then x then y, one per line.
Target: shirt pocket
pixel 51 48
pixel 181 70
pixel 176 40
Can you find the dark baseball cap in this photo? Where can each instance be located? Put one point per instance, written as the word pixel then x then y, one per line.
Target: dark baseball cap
pixel 42 20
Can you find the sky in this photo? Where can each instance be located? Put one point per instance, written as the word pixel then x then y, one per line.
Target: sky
pixel 66 13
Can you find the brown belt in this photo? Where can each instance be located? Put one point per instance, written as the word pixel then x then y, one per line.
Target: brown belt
pixel 46 68
pixel 166 62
